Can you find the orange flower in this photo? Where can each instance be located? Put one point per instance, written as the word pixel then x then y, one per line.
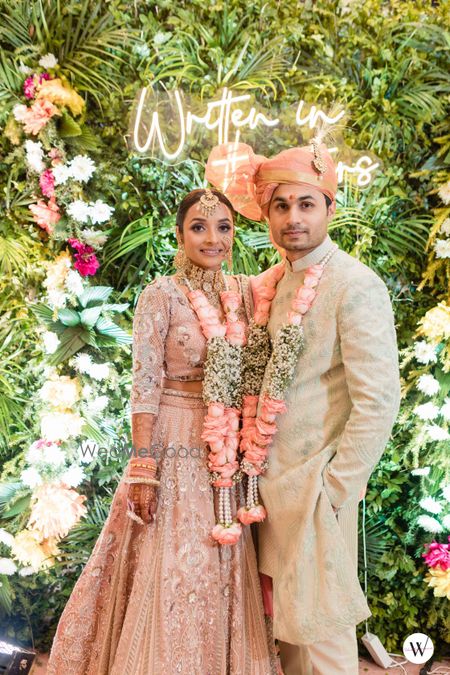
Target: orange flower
pixel 61 94
pixel 36 117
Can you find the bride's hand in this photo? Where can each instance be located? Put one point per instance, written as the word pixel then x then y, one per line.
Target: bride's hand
pixel 144 499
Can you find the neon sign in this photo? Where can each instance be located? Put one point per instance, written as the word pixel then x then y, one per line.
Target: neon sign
pixel 227 118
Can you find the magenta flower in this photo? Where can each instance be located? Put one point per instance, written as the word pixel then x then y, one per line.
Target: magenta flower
pixel 29 87
pixel 47 183
pixel 437 555
pixel 85 259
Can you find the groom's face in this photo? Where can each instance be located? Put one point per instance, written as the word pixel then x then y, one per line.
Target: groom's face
pixel 298 218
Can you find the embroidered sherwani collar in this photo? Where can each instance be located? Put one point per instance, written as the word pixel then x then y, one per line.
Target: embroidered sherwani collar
pixel 311 258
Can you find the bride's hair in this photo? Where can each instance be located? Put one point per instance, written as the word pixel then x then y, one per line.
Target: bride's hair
pixel 192 198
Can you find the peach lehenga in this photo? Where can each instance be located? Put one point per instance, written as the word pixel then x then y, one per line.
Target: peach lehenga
pixel 165 598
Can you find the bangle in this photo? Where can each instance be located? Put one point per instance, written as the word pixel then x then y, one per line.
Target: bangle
pixel 144 481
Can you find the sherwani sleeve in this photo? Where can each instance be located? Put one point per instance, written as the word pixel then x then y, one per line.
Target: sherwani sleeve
pixel 370 358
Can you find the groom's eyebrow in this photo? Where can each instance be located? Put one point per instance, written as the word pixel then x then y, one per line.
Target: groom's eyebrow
pixel 300 199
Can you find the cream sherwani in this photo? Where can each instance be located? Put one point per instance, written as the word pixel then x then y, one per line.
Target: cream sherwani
pixel 341 405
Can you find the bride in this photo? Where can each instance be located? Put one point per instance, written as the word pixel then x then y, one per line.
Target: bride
pixel 172 583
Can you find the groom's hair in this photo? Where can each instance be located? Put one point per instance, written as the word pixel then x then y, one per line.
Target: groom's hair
pixel 192 198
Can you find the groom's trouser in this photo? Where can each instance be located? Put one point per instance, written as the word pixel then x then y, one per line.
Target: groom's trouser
pixel 339 654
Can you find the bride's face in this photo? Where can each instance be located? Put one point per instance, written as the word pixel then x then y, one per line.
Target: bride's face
pixel 207 239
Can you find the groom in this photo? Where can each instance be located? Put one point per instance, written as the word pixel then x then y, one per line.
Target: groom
pixel 341 406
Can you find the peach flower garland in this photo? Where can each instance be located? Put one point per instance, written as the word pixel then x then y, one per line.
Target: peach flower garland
pixel 258 429
pixel 222 421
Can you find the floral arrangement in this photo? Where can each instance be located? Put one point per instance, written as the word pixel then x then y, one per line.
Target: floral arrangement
pixel 58 181
pixel 222 395
pixel 73 398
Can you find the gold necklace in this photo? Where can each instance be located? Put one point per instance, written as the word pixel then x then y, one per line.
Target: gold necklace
pixel 211 282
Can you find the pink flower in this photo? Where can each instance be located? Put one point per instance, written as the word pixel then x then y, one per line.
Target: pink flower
pixel 256 454
pixel 215 409
pixel 45 214
pixel 29 87
pixel 294 318
pixel 301 307
pixel 266 428
pixel 198 299
pixel 232 444
pixel 310 281
pixel 261 318
pixel 305 294
pixel 217 459
pixel 216 445
pixel 217 330
pixel 236 333
pixel 233 417
pixel 56 156
pixel 256 514
pixel 227 535
pixel 208 314
pixel 315 270
pixel 250 405
pixel 85 259
pixel 437 555
pixel 223 482
pixel 274 405
pixel 47 183
pixel 230 300
pixel 36 117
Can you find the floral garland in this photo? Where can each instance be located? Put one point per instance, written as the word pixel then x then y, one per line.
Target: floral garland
pixel 259 429
pixel 223 396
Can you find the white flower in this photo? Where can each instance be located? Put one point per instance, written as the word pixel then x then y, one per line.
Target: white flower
pixel 141 50
pixel 94 238
pixel 97 405
pixel 424 352
pixel 81 168
pixel 445 410
pixel 61 174
pixel 442 248
pixel 34 454
pixel 99 371
pixel 446 492
pixel 7 566
pixel 82 362
pixel 31 477
pixel 74 283
pixel 430 504
pixel 59 426
pixel 437 433
pixel 19 112
pixel 446 522
pixel 25 70
pixel 87 451
pixel 79 211
pixel 445 227
pixel 100 212
pixel 34 155
pixel 53 455
pixel 6 538
pixel 422 471
pixel 26 571
pixel 428 385
pixel 73 476
pixel 87 391
pixel 444 192
pixel 427 411
pixel 56 297
pixel 51 342
pixel 429 524
pixel 48 61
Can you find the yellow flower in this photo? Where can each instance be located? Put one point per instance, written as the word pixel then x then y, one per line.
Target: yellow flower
pixel 61 94
pixel 439 579
pixel 55 510
pixel 29 549
pixel 436 323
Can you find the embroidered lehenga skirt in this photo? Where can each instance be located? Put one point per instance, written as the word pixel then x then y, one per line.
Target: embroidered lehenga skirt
pixel 164 597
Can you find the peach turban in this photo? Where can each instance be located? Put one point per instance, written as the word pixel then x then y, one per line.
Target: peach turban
pixel 249 180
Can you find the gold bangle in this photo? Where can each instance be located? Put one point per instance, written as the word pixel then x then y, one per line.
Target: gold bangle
pixel 144 481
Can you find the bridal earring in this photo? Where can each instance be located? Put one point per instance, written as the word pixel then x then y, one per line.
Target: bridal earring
pixel 180 261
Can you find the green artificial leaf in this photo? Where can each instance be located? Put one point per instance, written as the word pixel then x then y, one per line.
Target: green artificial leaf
pixel 90 315
pixel 68 317
pixel 94 295
pixel 68 127
pixel 18 507
pixel 110 329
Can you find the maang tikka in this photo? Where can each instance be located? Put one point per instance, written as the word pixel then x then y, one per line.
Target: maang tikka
pixel 208 202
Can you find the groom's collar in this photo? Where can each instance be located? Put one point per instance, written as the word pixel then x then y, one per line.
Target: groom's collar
pixel 311 258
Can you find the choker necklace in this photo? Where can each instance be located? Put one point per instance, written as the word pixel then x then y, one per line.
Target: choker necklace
pixel 211 282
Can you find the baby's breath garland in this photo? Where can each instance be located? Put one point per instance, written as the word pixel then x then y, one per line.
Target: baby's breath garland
pixel 270 377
